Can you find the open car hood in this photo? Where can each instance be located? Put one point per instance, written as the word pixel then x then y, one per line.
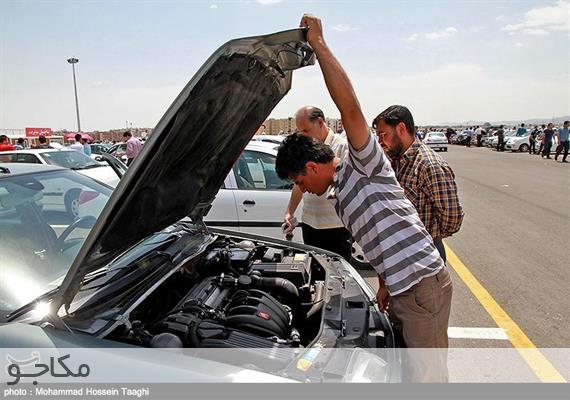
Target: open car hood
pixel 193 147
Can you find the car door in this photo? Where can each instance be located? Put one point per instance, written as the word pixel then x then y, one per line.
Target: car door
pixel 223 213
pixel 261 196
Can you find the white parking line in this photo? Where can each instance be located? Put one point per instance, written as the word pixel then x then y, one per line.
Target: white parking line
pixel 477 333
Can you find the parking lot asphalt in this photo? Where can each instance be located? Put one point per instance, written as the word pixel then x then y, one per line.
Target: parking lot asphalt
pixel 515 242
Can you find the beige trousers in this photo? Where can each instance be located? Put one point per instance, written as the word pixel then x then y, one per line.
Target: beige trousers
pixel 423 315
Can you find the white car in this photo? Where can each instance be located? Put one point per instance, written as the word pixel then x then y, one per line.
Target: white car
pixel 518 143
pixel 436 140
pixel 71 159
pixel 276 139
pixel 253 198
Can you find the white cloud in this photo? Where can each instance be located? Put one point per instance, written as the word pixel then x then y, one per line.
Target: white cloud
pixel 500 17
pixel 267 2
pixel 518 44
pixel 97 83
pixel 536 32
pixel 413 38
pixel 441 34
pixel 213 6
pixel 444 33
pixel 547 19
pixel 343 28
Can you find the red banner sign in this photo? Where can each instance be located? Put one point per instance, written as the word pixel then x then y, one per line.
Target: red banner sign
pixel 35 132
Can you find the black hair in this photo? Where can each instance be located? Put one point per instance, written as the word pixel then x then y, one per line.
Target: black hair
pixel 127 133
pixel 20 140
pixel 42 139
pixel 296 150
pixel 395 114
pixel 3 137
pixel 77 137
pixel 566 122
pixel 315 114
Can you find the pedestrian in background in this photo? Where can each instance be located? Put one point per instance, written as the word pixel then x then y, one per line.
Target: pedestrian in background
pixel 86 147
pixel 134 147
pixel 548 136
pixel 500 139
pixel 427 179
pixel 563 142
pixel 521 131
pixel 532 138
pixel 479 135
pixel 78 146
pixel 5 144
pixel 20 144
pixel 321 226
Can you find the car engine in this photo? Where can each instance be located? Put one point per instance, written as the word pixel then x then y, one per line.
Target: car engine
pixel 236 295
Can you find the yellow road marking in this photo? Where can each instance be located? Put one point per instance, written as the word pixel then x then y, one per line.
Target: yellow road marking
pixel 543 369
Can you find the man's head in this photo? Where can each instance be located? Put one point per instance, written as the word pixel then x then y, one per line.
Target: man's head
pixel 21 141
pixel 307 162
pixel 566 124
pixel 310 121
pixel 3 139
pixel 83 141
pixel 127 135
pixel 395 130
pixel 78 137
pixel 550 125
pixel 522 125
pixel 42 139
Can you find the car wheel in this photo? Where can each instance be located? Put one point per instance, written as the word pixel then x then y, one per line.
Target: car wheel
pixel 524 148
pixel 72 203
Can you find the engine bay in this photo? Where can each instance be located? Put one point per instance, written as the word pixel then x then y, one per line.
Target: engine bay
pixel 236 294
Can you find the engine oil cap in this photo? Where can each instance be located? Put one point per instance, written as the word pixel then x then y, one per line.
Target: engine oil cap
pixel 263 315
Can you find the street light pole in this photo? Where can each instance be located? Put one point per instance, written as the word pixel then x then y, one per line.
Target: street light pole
pixel 74 61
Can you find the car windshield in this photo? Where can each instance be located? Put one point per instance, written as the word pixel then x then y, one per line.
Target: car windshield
pixel 44 219
pixel 69 159
pixel 436 135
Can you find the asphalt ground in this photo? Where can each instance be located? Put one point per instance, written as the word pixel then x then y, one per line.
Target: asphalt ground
pixel 511 258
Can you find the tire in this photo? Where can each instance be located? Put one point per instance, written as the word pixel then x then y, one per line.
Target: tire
pixel 524 148
pixel 71 201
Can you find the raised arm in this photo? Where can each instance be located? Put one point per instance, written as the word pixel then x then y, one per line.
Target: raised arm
pixel 338 84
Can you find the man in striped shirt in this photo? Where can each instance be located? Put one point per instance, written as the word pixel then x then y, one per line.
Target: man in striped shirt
pixel 367 197
pixel 321 226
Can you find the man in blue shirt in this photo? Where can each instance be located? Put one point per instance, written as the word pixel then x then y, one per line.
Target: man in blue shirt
pixel 521 131
pixel 563 141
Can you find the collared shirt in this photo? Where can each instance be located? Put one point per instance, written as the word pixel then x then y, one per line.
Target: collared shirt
pixel 77 147
pixel 563 132
pixel 373 207
pixel 87 149
pixel 317 210
pixel 134 147
pixel 429 183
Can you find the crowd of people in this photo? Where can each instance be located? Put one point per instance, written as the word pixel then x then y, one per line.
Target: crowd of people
pixel 81 144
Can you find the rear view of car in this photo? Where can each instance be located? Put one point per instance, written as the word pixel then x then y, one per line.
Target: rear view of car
pixel 436 140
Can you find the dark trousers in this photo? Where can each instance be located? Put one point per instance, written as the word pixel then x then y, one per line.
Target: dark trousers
pixel 130 161
pixel 438 242
pixel 478 140
pixel 501 144
pixel 562 146
pixel 532 147
pixel 547 148
pixel 337 240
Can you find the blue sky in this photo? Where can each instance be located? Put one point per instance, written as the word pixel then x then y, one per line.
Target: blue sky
pixel 448 61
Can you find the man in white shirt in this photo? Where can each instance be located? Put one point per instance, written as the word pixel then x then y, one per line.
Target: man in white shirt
pixel 78 146
pixel 479 135
pixel 321 226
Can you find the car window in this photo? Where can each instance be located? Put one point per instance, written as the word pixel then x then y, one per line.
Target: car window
pixel 256 170
pixel 24 158
pixel 69 159
pixel 44 219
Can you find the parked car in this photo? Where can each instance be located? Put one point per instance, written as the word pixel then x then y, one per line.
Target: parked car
pixel 149 273
pixel 254 199
pixel 436 140
pixel 97 149
pixel 518 143
pixel 119 150
pixel 64 158
pixel 277 139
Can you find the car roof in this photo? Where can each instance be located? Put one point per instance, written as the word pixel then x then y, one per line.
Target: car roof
pixel 36 151
pixel 263 146
pixel 23 168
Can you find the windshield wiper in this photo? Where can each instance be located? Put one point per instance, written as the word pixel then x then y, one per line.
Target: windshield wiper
pixel 87 167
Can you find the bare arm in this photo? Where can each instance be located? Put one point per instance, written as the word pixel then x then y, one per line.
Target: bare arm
pixel 296 196
pixel 338 84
